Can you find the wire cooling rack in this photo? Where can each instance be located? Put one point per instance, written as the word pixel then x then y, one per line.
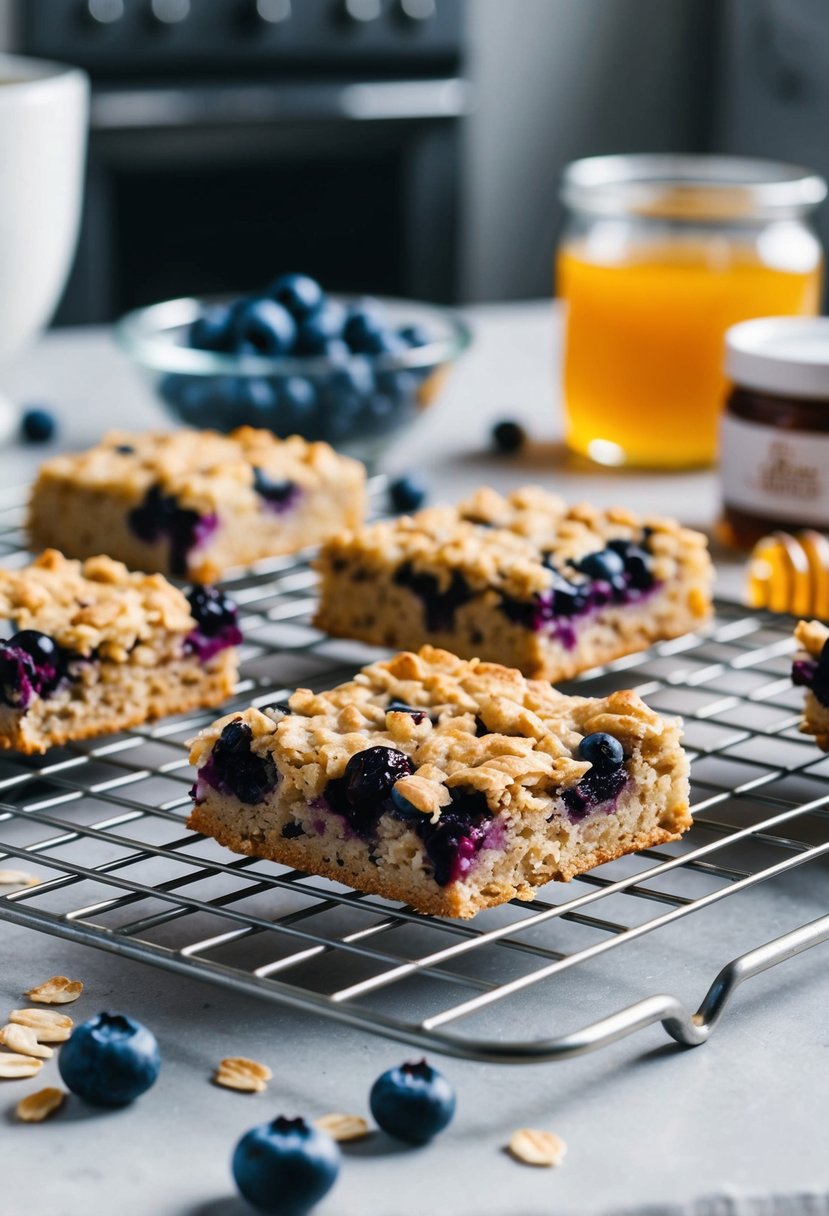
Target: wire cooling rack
pixel 101 824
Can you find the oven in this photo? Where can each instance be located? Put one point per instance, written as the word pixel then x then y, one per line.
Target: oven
pixel 234 139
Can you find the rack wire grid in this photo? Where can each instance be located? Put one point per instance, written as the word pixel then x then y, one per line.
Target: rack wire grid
pixel 101 825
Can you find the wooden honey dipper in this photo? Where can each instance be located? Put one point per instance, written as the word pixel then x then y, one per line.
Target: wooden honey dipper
pixel 789 572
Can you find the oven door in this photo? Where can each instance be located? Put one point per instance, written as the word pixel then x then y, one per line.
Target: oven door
pixel 215 189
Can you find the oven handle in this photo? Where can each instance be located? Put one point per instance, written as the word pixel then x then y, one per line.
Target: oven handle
pixel 242 105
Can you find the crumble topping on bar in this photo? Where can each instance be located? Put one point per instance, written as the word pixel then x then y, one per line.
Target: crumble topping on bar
pixel 195 503
pixel 515 543
pixel 452 785
pixel 92 606
pixel 203 470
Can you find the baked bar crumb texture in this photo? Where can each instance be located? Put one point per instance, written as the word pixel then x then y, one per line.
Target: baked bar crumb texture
pixel 523 580
pixel 195 504
pixel 810 671
pixel 449 785
pixel 95 649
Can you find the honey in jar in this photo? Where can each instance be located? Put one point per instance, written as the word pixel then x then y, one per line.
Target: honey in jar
pixel 662 255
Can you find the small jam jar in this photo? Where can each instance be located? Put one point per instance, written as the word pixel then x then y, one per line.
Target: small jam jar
pixel 774 434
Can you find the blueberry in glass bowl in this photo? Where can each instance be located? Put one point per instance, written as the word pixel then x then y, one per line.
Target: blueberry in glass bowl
pixel 294 360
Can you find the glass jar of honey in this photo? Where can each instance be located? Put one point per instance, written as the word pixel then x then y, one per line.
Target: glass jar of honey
pixel 660 255
pixel 774 459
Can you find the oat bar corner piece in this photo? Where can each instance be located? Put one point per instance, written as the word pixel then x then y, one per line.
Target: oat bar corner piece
pixel 194 504
pixel 91 648
pixel 523 580
pixel 810 670
pixel 449 785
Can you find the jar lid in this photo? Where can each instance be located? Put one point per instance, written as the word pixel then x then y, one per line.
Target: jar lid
pixel 783 355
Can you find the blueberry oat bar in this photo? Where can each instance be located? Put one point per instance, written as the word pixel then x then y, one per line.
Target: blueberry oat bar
pixel 95 649
pixel 810 670
pixel 524 580
pixel 194 503
pixel 450 785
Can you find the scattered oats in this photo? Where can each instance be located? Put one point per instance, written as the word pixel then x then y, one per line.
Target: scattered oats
pixel 13 1067
pixel 56 991
pixel 237 1072
pixel 17 878
pixel 534 1147
pixel 23 1040
pixel 34 1108
pixel 342 1127
pixel 49 1025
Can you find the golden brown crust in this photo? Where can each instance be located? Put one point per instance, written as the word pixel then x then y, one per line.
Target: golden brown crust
pixel 501 542
pixel 530 747
pixel 202 469
pixel 96 605
pixel 479 729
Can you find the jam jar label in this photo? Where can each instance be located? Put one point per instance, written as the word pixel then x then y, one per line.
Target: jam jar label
pixel 773 473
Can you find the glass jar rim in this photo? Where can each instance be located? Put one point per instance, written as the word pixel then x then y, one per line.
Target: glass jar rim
pixel 696 189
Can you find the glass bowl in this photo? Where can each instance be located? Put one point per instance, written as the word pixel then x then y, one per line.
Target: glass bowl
pixel 358 403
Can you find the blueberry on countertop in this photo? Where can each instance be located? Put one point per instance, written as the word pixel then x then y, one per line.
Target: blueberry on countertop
pixel 407 493
pixel 38 425
pixel 602 751
pixel 110 1060
pixel 413 1102
pixel 299 293
pixel 508 435
pixel 263 327
pixel 286 1166
pixel 212 330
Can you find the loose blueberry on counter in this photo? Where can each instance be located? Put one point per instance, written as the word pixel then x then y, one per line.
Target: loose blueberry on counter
pixel 508 436
pixel 407 493
pixel 285 1167
pixel 38 425
pixel 212 330
pixel 413 1102
pixel 110 1060
pixel 299 293
pixel 263 327
pixel 602 751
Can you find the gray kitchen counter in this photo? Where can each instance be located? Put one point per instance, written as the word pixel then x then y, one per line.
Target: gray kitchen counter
pixel 736 1125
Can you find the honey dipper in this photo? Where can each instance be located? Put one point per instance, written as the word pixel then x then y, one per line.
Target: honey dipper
pixel 789 572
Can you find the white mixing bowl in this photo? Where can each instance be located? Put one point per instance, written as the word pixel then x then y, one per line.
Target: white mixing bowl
pixel 43 123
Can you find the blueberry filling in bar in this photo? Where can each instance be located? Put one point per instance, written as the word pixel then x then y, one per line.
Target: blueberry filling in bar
pixel 524 580
pixel 92 648
pixel 194 504
pixel 810 670
pixel 449 785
